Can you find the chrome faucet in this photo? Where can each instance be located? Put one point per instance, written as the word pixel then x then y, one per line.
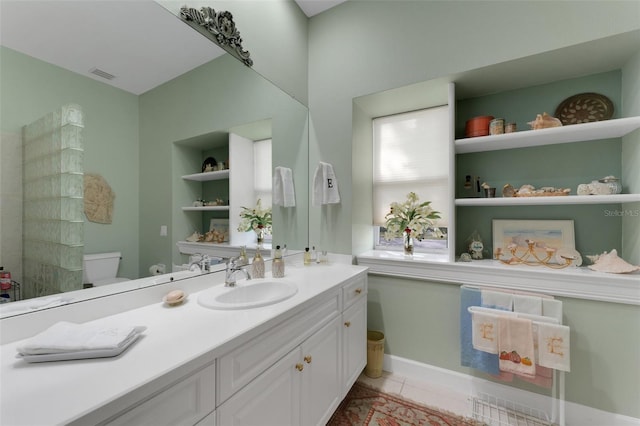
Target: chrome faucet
pixel 232 269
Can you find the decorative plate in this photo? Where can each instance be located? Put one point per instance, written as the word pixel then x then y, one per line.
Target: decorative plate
pixel 584 108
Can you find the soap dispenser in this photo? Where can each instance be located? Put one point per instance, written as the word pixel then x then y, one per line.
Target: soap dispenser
pixel 257 266
pixel 307 256
pixel 277 266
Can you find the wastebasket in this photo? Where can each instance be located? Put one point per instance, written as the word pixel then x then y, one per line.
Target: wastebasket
pixel 375 353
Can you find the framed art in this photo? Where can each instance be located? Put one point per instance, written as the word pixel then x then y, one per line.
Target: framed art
pixel 545 234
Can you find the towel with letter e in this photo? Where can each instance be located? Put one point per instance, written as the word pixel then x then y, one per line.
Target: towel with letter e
pixel 325 186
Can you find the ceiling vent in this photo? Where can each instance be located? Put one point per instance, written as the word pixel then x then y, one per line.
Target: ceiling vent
pixel 103 74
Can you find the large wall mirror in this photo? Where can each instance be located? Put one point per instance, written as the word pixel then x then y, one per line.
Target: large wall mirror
pixel 135 137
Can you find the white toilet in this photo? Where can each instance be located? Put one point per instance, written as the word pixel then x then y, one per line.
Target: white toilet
pixel 101 268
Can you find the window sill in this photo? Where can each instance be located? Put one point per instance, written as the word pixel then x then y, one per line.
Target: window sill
pixel 580 283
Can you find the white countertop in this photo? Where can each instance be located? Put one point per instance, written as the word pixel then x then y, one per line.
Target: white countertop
pixel 178 340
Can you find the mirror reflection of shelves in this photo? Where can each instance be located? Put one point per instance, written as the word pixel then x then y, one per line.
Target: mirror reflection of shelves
pixel 207 177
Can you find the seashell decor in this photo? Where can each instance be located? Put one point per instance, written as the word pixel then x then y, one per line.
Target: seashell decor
pixel 544 121
pixel 611 263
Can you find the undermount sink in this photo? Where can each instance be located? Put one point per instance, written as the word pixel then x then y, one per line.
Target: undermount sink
pixel 248 294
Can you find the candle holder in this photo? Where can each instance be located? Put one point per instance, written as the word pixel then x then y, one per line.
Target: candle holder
pixel 529 256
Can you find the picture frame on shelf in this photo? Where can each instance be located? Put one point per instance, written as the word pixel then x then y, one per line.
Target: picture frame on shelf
pixel 220 226
pixel 557 234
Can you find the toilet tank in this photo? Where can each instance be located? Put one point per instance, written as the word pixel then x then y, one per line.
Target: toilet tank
pixel 100 266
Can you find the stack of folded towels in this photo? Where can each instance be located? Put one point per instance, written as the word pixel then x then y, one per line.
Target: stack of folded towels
pixel 66 340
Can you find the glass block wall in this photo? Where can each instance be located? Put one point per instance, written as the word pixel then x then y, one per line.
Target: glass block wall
pixel 53 229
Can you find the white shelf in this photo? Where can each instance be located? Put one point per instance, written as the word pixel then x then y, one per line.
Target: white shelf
pixel 207 176
pixel 558 135
pixel 206 208
pixel 558 200
pixel 575 282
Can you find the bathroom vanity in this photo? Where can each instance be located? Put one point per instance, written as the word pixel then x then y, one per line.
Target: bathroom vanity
pixel 291 362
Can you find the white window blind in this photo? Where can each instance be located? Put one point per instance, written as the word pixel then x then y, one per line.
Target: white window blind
pixel 262 180
pixel 411 154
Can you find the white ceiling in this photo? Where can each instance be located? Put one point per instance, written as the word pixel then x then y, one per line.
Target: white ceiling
pixel 150 47
pixel 313 7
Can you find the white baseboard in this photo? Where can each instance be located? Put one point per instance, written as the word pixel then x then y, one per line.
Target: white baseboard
pixel 574 414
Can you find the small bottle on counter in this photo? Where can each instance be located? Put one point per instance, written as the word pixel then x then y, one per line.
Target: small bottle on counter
pixel 244 260
pixel 314 255
pixel 257 266
pixel 307 256
pixel 277 266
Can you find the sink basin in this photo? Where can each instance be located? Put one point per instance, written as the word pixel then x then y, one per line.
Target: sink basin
pixel 248 294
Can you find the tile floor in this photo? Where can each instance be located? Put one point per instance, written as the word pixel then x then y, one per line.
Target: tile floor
pixel 428 394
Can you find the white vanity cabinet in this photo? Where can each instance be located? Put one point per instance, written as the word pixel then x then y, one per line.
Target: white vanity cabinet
pixel 306 384
pixel 303 388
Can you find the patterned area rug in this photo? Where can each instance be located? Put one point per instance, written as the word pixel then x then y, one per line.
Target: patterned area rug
pixel 364 406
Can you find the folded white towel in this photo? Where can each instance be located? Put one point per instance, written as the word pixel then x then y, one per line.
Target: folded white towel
pixel 554 346
pixel 66 337
pixel 527 304
pixel 283 192
pixel 325 186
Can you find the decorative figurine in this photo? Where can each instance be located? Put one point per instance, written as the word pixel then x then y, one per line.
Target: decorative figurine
pixel 544 121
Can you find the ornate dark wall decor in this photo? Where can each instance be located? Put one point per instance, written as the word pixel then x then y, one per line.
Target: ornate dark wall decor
pixel 218 27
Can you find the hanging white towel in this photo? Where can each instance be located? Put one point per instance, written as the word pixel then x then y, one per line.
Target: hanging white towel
pixel 325 186
pixel 527 304
pixel 552 308
pixel 283 190
pixel 554 346
pixel 485 328
pixel 497 300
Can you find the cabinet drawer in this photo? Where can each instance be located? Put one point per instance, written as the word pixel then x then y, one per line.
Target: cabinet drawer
pixel 243 364
pixel 184 403
pixel 355 290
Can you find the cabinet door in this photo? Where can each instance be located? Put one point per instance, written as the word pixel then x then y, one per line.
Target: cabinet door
pixel 184 403
pixel 321 390
pixel 271 399
pixel 354 343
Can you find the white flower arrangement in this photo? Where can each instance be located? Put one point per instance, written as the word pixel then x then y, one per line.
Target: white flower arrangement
pixel 255 218
pixel 411 215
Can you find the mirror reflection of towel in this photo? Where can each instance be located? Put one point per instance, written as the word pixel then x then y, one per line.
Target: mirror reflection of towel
pixel 283 193
pixel 325 185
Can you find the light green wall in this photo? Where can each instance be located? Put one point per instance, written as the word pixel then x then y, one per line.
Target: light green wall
pixel 32 88
pixel 380 45
pixel 421 322
pixel 214 97
pixel 363 47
